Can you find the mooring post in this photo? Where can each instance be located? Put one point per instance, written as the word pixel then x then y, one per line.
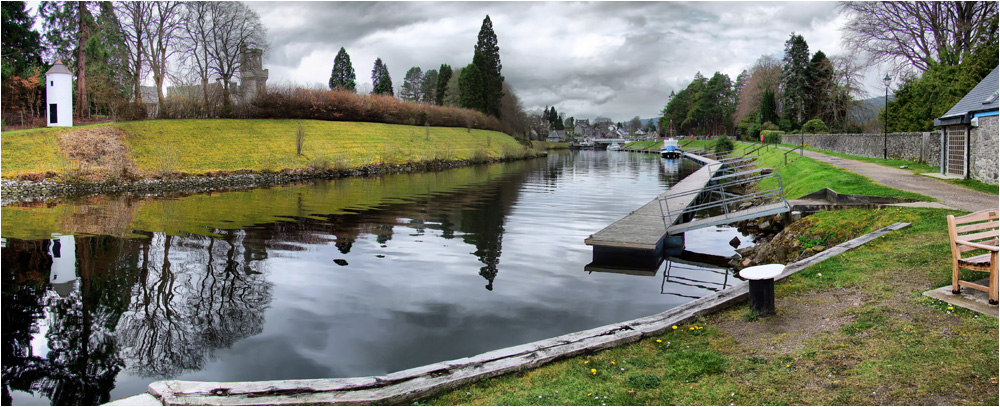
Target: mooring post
pixel 762 286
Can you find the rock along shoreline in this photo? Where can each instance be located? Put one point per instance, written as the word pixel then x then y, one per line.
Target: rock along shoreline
pixel 14 191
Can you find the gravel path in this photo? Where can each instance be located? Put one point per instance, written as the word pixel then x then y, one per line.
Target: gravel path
pixel 949 194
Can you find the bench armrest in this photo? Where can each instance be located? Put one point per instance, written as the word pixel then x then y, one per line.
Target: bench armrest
pixel 978 245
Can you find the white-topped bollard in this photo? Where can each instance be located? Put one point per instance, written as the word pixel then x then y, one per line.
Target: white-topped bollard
pixel 762 286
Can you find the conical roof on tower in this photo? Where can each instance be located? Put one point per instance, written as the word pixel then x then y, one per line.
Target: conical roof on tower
pixel 58 67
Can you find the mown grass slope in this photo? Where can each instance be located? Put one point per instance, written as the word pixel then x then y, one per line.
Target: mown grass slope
pixel 211 145
pixel 852 330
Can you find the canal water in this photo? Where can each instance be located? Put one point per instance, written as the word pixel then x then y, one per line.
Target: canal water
pixel 324 279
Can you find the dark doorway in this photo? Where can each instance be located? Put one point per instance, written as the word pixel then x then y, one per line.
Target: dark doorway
pixel 53 116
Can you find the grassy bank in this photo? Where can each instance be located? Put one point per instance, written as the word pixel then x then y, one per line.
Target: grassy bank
pixel 803 175
pixel 157 147
pixel 203 213
pixel 853 330
pixel 913 166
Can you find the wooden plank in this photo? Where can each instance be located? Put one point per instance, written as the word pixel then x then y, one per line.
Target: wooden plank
pixel 643 229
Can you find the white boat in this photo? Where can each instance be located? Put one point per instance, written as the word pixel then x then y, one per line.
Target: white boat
pixel 587 145
pixel 670 149
pixel 614 147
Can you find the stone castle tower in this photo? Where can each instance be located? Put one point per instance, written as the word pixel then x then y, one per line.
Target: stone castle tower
pixel 253 79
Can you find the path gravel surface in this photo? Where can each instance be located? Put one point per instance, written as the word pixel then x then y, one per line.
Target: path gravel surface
pixel 949 194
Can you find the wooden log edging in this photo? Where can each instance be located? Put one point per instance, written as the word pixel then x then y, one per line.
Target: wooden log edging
pixel 413 384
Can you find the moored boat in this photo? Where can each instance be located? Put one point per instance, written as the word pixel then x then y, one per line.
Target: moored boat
pixel 670 149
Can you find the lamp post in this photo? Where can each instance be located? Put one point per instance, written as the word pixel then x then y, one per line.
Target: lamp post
pixel 885 131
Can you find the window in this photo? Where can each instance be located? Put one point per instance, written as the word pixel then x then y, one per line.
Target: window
pixel 52 83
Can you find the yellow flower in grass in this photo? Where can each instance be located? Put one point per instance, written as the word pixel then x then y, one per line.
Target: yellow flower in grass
pixel 659 341
pixel 593 371
pixel 586 362
pixel 673 327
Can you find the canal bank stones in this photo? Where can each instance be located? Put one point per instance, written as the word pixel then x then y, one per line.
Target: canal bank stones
pixel 791 244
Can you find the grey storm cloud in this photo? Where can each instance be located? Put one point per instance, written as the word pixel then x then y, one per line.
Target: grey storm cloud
pixel 614 59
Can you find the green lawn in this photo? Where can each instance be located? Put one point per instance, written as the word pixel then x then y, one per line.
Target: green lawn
pixel 913 166
pixel 803 175
pixel 879 342
pixel 208 145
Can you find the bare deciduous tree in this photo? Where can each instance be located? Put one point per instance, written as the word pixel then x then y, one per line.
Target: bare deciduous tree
pixel 163 29
pixel 196 33
pixel 234 28
pixel 918 33
pixel 765 74
pixel 134 17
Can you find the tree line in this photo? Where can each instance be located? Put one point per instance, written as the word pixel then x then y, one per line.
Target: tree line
pixel 112 47
pixel 477 86
pixel 938 51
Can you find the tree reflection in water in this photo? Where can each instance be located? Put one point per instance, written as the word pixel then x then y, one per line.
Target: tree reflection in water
pixel 160 305
pixel 197 294
pixel 164 304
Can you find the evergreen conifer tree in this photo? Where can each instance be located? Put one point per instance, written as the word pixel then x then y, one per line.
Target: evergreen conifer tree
pixel 381 82
pixel 795 78
pixel 22 46
pixel 444 75
pixel 411 85
pixel 489 67
pixel 470 88
pixel 343 76
pixel 428 86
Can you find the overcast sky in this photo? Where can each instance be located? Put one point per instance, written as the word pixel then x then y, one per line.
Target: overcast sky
pixel 615 59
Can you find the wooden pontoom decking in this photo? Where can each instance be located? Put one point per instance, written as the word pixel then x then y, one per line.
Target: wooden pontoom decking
pixel 643 230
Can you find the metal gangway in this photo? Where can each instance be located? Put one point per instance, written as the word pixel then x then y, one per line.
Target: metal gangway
pixel 671 279
pixel 718 196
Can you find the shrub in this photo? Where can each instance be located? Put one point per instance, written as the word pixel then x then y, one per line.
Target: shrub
pixel 338 105
pixel 772 136
pixel 128 112
pixel 815 126
pixel 753 131
pixel 723 145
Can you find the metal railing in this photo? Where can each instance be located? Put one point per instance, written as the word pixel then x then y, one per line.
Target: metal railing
pixel 691 282
pixel 801 153
pixel 717 197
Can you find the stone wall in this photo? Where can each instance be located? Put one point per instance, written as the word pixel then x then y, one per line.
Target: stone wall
pixel 984 150
pixel 921 147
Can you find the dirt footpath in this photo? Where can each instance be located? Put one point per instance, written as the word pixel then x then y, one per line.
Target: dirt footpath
pixel 951 195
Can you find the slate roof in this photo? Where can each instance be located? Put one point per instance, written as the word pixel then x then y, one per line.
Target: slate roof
pixel 982 98
pixel 58 67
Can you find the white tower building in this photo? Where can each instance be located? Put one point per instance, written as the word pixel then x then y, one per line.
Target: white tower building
pixel 59 96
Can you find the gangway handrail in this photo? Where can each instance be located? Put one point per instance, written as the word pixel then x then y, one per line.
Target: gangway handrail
pixel 801 153
pixel 736 174
pixel 776 194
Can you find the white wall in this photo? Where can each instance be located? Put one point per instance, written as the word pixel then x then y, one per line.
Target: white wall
pixel 59 90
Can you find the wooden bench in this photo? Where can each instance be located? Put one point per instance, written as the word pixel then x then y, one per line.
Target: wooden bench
pixel 976 231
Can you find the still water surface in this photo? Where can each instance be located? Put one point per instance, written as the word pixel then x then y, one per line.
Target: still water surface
pixel 340 278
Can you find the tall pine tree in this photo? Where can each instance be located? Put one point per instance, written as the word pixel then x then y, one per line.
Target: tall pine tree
pixel 428 86
pixel 820 87
pixel 470 88
pixel 444 75
pixel 412 85
pixel 381 82
pixel 343 77
pixel 489 68
pixel 22 46
pixel 795 79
